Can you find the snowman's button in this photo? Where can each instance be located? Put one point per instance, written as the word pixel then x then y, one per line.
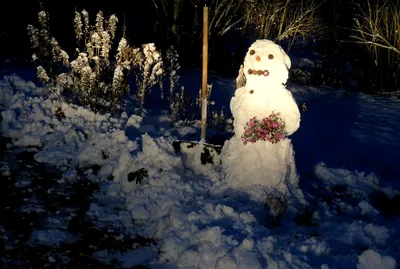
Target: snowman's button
pixel 251 91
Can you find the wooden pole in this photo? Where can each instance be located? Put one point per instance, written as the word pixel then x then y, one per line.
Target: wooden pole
pixel 204 75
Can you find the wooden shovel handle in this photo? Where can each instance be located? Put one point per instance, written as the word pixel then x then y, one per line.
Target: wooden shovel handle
pixel 204 75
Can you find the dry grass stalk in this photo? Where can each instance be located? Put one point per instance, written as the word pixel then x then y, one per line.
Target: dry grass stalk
pixel 280 21
pixel 378 27
pixel 224 15
pixel 276 204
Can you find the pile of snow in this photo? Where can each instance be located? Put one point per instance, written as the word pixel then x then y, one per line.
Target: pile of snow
pixel 370 259
pixel 199 219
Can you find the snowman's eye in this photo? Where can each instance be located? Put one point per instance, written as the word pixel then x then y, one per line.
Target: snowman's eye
pixel 270 56
pixel 252 52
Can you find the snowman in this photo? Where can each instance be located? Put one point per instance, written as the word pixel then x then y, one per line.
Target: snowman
pixel 264 163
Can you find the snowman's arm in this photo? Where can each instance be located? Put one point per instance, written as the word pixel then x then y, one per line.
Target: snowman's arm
pixel 233 104
pixel 236 99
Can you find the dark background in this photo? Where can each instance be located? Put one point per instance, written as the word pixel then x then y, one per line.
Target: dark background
pixel 17 15
pixel 342 64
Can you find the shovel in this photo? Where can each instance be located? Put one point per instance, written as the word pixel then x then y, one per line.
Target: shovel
pixel 195 152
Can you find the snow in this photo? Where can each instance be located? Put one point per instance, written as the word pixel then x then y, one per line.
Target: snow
pixel 263 163
pixel 371 259
pixel 50 237
pixel 197 216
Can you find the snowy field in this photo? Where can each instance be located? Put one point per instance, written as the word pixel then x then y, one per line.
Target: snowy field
pixel 83 189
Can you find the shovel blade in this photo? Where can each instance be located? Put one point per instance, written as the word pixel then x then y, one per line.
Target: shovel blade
pixel 206 153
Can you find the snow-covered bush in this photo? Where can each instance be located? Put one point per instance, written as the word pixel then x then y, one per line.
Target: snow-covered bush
pixel 48 55
pixel 218 120
pixel 148 69
pixel 94 78
pixel 172 67
pixel 144 63
pixel 89 77
pixel 178 105
pixel 179 102
pixel 209 90
pixel 96 82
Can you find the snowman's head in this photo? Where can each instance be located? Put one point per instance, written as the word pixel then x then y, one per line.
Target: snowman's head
pixel 267 61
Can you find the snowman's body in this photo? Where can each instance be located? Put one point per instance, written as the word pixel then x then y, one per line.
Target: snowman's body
pixel 272 165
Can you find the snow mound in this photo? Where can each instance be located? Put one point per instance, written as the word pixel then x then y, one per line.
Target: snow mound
pixel 370 259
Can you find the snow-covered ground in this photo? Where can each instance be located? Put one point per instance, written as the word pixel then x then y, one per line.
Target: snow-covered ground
pixel 347 151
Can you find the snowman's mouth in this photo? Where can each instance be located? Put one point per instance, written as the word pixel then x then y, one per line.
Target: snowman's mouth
pixel 264 73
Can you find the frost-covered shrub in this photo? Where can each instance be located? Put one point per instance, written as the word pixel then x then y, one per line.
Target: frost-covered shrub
pixel 177 101
pixel 218 119
pixel 172 67
pixel 96 81
pixel 95 78
pixel 178 105
pixel 48 55
pixel 144 63
pixel 209 90
pixel 148 69
pixel 88 77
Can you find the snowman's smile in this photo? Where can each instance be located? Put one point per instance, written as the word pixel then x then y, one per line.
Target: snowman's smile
pixel 264 73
